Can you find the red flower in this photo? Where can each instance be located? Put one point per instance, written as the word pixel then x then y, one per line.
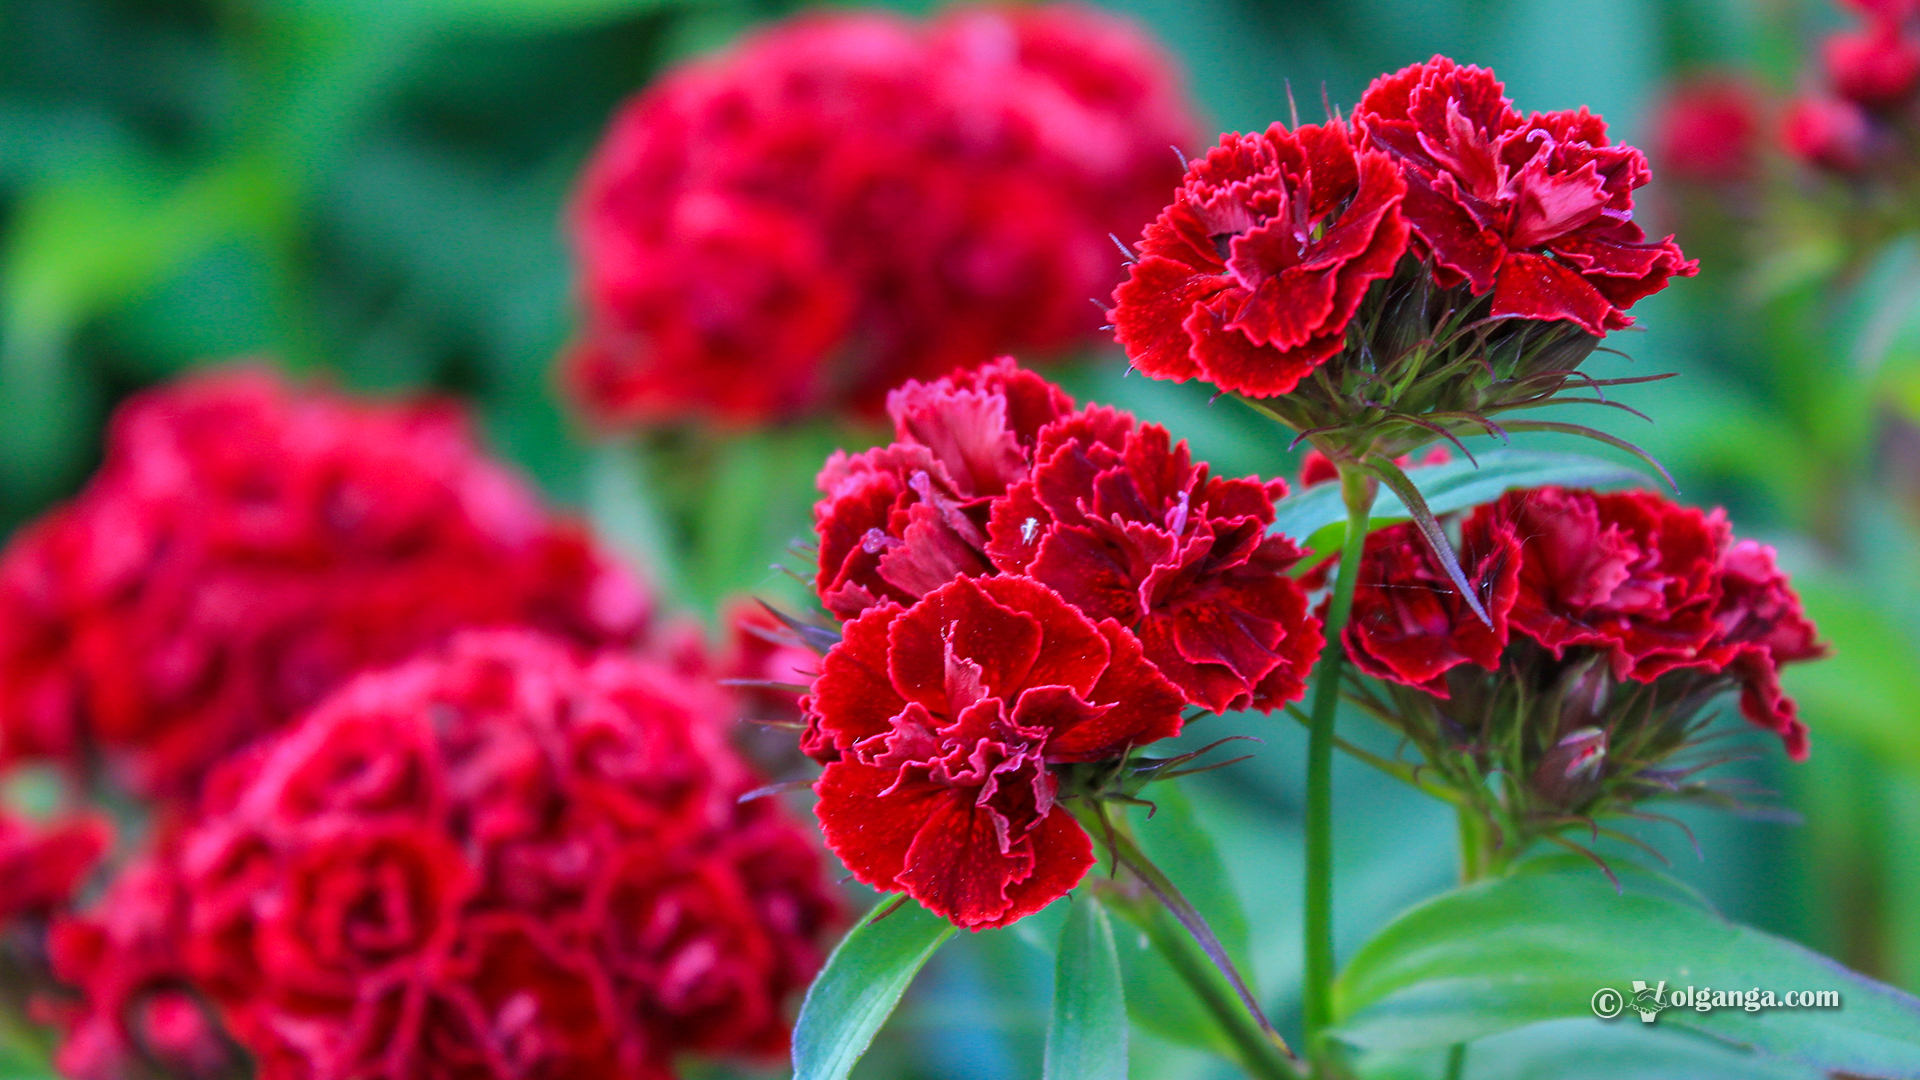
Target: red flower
pixel 1708 130
pixel 849 200
pixel 1758 627
pixel 497 860
pixel 41 866
pixel 246 547
pixel 1829 133
pixel 1124 526
pixel 1249 278
pixel 1538 209
pixel 1410 623
pixel 947 716
pixel 1631 574
pixel 1877 67
pixel 902 520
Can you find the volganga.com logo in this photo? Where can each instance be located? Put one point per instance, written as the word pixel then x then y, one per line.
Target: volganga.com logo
pixel 1649 1000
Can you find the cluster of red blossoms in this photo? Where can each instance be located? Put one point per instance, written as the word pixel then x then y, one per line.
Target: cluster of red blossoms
pixel 1251 279
pixel 519 853
pixel 1026 585
pixel 1866 115
pixel 849 200
pixel 498 860
pixel 244 548
pixel 1617 607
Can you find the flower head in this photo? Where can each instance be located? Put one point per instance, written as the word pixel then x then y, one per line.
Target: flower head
pixel 849 200
pixel 943 722
pixel 901 520
pixel 1877 67
pixel 1125 526
pixel 1249 278
pixel 247 546
pixel 502 859
pixel 43 865
pixel 1829 133
pixel 1538 209
pixel 1708 129
pixel 1617 619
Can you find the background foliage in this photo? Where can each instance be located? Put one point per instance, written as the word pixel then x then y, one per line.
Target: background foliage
pixel 373 190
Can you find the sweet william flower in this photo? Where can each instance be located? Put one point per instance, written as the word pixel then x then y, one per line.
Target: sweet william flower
pixel 899 521
pixel 1410 625
pixel 1877 67
pixel 248 545
pixel 946 718
pixel 1249 278
pixel 1125 526
pixel 1538 209
pixel 1708 129
pixel 42 865
pixel 845 201
pixel 1830 133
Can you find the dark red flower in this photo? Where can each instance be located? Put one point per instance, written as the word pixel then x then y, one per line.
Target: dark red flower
pixel 1411 625
pixel 946 717
pixel 246 547
pixel 902 520
pixel 1829 133
pixel 1629 574
pixel 848 200
pixel 1538 209
pixel 1247 281
pixel 1125 526
pixel 501 859
pixel 1877 67
pixel 42 865
pixel 1708 129
pixel 1758 627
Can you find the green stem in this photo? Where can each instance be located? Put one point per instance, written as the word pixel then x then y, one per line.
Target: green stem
pixel 1357 489
pixel 1456 1061
pixel 1473 845
pixel 1257 1054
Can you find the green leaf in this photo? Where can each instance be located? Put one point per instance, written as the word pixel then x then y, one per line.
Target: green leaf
pixel 1317 516
pixel 858 989
pixel 1088 1038
pixel 1503 954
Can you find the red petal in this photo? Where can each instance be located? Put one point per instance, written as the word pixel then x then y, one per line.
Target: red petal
pixel 1073 653
pixel 853 697
pixel 1149 313
pixel 1062 855
pixel 1535 287
pixel 955 867
pixel 962 620
pixel 1231 362
pixel 1145 706
pixel 872 834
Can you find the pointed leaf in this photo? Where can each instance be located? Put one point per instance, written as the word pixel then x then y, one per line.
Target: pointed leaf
pixel 1088 1036
pixel 858 989
pixel 1317 517
pixel 1503 954
pixel 1429 527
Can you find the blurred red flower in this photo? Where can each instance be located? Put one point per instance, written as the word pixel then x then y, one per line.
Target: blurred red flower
pixel 1125 526
pixel 498 860
pixel 1829 133
pixel 41 865
pixel 1877 67
pixel 248 545
pixel 1539 208
pixel 1249 278
pixel 1708 129
pixel 849 200
pixel 946 717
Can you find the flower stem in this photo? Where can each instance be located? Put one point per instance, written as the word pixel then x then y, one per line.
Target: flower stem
pixel 1257 1054
pixel 1358 489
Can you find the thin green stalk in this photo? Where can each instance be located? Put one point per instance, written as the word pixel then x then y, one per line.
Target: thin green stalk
pixel 1357 489
pixel 1257 1054
pixel 1473 845
pixel 1456 1061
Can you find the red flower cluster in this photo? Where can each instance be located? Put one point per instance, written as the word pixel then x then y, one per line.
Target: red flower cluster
pixel 1651 587
pixel 993 471
pixel 41 866
pixel 1708 130
pixel 499 860
pixel 1250 279
pixel 849 200
pixel 1027 586
pixel 1537 208
pixel 245 547
pixel 1873 81
pixel 944 719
